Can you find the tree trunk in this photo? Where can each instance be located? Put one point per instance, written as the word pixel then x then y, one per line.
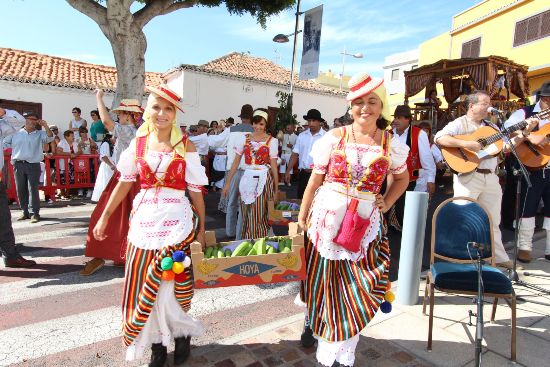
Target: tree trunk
pixel 129 51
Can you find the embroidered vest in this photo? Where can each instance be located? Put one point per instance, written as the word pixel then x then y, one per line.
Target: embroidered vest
pixel 372 176
pixel 413 160
pixel 175 172
pixel 259 157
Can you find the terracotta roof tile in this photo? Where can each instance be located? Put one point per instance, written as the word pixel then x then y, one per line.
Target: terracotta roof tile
pixel 245 66
pixel 34 68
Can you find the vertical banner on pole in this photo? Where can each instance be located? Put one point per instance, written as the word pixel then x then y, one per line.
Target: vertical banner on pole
pixel 313 21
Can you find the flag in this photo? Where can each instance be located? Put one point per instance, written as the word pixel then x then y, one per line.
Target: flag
pixel 313 21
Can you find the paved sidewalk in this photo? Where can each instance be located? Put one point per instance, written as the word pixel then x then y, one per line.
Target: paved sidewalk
pixel 400 338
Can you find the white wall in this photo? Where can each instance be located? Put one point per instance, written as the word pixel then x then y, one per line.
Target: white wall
pixel 403 61
pixel 57 102
pixel 212 97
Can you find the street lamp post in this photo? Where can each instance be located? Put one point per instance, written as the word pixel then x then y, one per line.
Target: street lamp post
pixel 281 38
pixel 357 56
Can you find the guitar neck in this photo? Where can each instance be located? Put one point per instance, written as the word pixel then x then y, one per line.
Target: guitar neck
pixel 523 124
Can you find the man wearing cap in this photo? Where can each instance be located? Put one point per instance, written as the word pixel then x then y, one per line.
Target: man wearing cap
pixel 10 122
pixel 420 157
pixel 229 138
pixel 540 180
pixel 200 139
pixel 482 184
pixel 302 148
pixel 27 152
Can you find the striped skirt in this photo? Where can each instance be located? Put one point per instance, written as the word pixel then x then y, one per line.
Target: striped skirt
pixel 143 277
pixel 254 216
pixel 342 296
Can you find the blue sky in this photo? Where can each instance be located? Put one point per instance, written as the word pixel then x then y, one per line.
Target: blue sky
pixel 376 28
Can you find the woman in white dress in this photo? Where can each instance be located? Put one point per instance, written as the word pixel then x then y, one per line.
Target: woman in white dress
pixel 106 168
pixel 347 256
pixel 163 223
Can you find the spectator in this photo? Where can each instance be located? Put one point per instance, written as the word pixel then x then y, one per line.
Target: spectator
pixel 299 130
pixel 214 125
pixel 86 146
pixel 106 168
pixel 229 122
pixel 27 152
pixel 193 130
pixel 200 139
pixel 10 122
pixel 97 129
pixel 288 142
pixel 67 147
pixel 77 121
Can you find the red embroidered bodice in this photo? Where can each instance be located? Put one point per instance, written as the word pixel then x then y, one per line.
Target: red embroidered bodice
pixel 256 157
pixel 174 177
pixel 370 178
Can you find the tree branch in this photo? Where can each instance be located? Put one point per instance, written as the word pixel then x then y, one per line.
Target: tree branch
pixel 159 7
pixel 91 9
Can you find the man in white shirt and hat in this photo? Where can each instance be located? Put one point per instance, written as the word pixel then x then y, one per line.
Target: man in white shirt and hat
pixel 302 148
pixel 200 139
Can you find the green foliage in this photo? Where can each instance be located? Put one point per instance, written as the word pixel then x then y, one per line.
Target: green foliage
pixel 261 9
pixel 284 115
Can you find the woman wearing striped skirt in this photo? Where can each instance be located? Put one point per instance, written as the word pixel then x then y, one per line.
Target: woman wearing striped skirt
pixel 347 254
pixel 258 184
pixel 163 224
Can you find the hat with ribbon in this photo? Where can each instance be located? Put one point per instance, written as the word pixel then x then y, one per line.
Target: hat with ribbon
pixel 166 93
pixel 129 105
pixel 362 84
pixel 313 114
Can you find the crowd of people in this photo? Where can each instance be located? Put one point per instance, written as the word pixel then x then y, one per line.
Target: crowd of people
pixel 351 180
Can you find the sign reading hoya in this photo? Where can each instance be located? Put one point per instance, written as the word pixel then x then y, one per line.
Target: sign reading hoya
pixel 249 269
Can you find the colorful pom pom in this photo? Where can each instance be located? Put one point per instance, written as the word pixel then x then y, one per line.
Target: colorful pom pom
pixel 178 256
pixel 177 267
pixel 385 307
pixel 187 261
pixel 389 296
pixel 181 277
pixel 168 275
pixel 166 263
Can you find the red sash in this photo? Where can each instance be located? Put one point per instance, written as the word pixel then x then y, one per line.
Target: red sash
pixel 413 160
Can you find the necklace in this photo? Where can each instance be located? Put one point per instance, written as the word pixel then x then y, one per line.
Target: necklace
pixel 358 167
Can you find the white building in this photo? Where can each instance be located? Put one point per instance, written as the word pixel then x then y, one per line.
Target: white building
pixel 394 66
pixel 52 86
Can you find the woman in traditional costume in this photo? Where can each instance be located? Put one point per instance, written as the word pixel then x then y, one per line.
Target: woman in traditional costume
pixel 162 226
pixel 106 168
pixel 259 182
pixel 348 254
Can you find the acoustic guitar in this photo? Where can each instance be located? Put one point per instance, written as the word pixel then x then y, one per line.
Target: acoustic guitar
pixel 536 156
pixel 461 160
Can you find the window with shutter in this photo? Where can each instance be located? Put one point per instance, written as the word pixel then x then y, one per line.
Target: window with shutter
pixel 471 48
pixel 532 28
pixel 395 74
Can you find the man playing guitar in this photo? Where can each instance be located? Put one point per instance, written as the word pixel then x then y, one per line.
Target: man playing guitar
pixel 482 184
pixel 540 179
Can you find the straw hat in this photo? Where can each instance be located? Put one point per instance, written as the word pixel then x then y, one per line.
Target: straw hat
pixel 361 84
pixel 166 93
pixel 129 105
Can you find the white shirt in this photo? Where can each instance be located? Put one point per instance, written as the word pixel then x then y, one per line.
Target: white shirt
pixel 303 146
pixel 519 115
pixel 424 151
pixel 10 123
pixel 65 147
pixel 464 126
pixel 231 139
pixel 289 139
pixel 201 143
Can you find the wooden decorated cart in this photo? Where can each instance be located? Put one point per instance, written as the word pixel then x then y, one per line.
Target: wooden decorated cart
pixel 505 80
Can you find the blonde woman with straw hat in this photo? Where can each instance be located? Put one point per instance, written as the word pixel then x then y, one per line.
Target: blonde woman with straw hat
pixel 158 284
pixel 348 252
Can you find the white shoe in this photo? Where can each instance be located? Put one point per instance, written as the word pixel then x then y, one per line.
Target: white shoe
pixel 80 192
pixel 88 194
